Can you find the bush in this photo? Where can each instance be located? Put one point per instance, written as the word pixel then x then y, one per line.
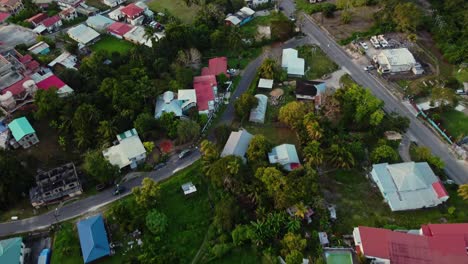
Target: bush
pixel 220 250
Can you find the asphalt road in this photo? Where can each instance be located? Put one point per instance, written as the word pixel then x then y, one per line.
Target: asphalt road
pixel 456 170
pixel 92 203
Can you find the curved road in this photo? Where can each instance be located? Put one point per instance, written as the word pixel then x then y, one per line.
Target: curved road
pixel 456 170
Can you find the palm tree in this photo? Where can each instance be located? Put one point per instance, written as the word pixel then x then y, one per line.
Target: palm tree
pixel 312 126
pixel 341 157
pixel 107 130
pixel 463 191
pixel 293 225
pixel 313 153
pixel 301 210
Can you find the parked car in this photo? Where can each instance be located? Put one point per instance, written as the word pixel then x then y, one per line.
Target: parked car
pixel 184 153
pixel 292 18
pixel 159 166
pixel 460 92
pixel 364 45
pixel 369 67
pixel 119 190
pixel 101 187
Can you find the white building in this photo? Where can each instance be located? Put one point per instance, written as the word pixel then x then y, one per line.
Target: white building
pixel 99 22
pixel 68 14
pixel 265 83
pixel 292 63
pixel 116 14
pixel 65 59
pixel 188 98
pixel 409 185
pixel 129 151
pixel 237 144
pixel 113 3
pixel 257 114
pixel 397 60
pixel 286 155
pixel 83 34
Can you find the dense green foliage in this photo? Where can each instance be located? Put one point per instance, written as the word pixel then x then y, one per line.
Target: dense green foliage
pixel 14 179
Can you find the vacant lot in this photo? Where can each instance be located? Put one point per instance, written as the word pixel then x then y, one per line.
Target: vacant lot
pixel 455 122
pixel 317 62
pixel 358 203
pixel 112 44
pixel 177 8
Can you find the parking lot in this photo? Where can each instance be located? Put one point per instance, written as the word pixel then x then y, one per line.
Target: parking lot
pixel 12 35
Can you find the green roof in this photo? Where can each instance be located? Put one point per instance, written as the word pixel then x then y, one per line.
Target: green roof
pixel 10 250
pixel 339 258
pixel 20 127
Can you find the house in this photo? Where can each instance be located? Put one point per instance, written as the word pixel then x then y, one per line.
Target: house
pixel 396 61
pixel 408 185
pixel 13 250
pixel 240 18
pixel 237 144
pixel 3 17
pixel 265 83
pixel 43 4
pixel 133 14
pixel 116 14
pixel 23 133
pixel 255 3
pixel 146 11
pixel 86 10
pixel 37 19
pixel 50 80
pixel 93 238
pixel 68 14
pixel 138 36
pixel 206 91
pixel 292 64
pixel 432 244
pixel 66 59
pixel 11 6
pixel 40 48
pixel 82 34
pixel 119 29
pixel 99 22
pixel 168 103
pixel 310 91
pixel 286 155
pixel 129 150
pixel 216 66
pixel 188 97
pixel 113 3
pixel 257 114
pixel 188 188
pixel 55 185
pixel 52 24
pixel 65 4
pixel 14 71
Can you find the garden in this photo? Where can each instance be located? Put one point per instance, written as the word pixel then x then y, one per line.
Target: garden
pixel 112 44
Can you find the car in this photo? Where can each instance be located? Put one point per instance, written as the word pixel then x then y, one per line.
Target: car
pixel 184 153
pixel 101 187
pixel 159 166
pixel 369 68
pixel 460 92
pixel 292 18
pixel 119 189
pixel 364 45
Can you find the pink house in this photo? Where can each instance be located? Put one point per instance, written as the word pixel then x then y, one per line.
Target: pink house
pixel 205 90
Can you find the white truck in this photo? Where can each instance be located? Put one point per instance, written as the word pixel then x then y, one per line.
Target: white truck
pixel 375 42
pixel 383 42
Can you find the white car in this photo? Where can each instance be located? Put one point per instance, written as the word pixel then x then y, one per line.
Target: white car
pixel 364 45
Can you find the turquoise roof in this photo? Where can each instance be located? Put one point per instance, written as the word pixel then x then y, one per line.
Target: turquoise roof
pixel 10 250
pixel 20 127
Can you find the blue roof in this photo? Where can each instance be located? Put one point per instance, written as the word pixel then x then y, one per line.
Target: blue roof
pixel 321 87
pixel 93 238
pixel 44 257
pixel 3 127
pixel 10 250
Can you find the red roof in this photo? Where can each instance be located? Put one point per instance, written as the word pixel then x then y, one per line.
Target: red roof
pixel 203 86
pixel 132 10
pixel 3 16
pixel 48 22
pixel 439 189
pixel 52 81
pixel 25 58
pixel 16 88
pixel 32 66
pixel 216 66
pixel 445 245
pixel 37 18
pixel 295 166
pixel 119 28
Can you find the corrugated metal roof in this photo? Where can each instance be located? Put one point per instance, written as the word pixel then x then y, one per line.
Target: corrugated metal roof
pixel 93 238
pixel 20 127
pixel 237 144
pixel 257 114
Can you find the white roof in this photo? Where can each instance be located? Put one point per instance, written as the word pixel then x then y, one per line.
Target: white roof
pixel 237 144
pixel 99 22
pixel 394 57
pixel 66 59
pixel 294 65
pixel 285 155
pixel 39 29
pixel 65 91
pixel 233 19
pixel 408 185
pixel 188 188
pixel 116 12
pixel 137 35
pixel 82 34
pixel 247 11
pixel 265 83
pixel 38 47
pixel 257 114
pixel 187 96
pixel 129 147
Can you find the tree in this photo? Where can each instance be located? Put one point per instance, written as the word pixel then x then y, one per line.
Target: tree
pixel 226 213
pixel 268 69
pixel 384 153
pixel 169 123
pixel 328 9
pixel 312 127
pixel 295 257
pixel 424 154
pixel 463 191
pixel 107 130
pixel 149 146
pixel 148 194
pixel 444 97
pixel 48 104
pixel 209 154
pixel 15 180
pixel 85 120
pixel 407 17
pixel 187 130
pixel 273 179
pixel 292 114
pixel 346 16
pixel 340 156
pixel 281 29
pixel 292 242
pixel 144 123
pixel 241 234
pixel 313 153
pixel 157 222
pixel 244 104
pixel 99 168
pixel 258 150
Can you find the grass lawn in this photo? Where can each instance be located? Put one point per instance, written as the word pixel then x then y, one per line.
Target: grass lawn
pixel 455 122
pixel 177 8
pixel 317 62
pixel 244 255
pixel 112 44
pixel 97 4
pixel 358 203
